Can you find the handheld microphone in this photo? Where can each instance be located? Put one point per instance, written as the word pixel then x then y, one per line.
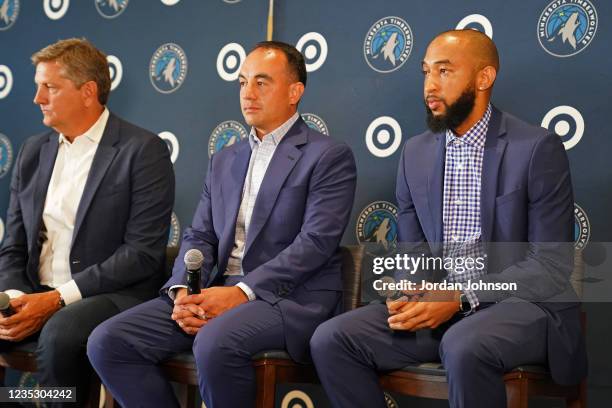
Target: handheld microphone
pixel 193 262
pixel 6 309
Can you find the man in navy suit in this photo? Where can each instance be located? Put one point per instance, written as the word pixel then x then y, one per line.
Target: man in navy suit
pixel 270 219
pixel 480 176
pixel 88 217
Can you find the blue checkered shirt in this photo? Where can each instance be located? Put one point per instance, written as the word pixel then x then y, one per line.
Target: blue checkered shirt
pixel 461 201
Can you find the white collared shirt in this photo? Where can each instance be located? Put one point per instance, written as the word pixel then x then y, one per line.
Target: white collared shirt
pixel 70 172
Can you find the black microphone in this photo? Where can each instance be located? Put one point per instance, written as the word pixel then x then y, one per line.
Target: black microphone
pixel 6 309
pixel 193 262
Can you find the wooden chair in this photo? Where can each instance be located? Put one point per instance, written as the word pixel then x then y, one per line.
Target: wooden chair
pixel 22 358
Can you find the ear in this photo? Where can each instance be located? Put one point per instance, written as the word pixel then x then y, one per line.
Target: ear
pixel 296 90
pixel 486 78
pixel 89 92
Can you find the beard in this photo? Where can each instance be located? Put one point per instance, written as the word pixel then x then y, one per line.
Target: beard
pixel 456 113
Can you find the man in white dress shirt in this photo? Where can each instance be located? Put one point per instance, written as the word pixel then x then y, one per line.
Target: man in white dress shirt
pixel 88 216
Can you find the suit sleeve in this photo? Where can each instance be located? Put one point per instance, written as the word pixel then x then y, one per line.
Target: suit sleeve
pixel 328 207
pixel 409 230
pixel 200 235
pixel 14 250
pixel 142 253
pixel 548 264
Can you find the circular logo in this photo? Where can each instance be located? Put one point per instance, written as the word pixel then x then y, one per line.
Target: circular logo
pixel 383 136
pixel 377 223
pixel 388 44
pixel 567 122
pixel 231 1
pixel 56 9
pixel 168 68
pixel 477 19
pixel 582 227
pixel 111 8
pixel 6 155
pixel 314 48
pixel 297 399
pixel 6 81
pixel 172 143
pixel 115 69
pixel 315 122
pixel 229 61
pixel 174 235
pixel 391 403
pixel 225 134
pixel 170 2
pixel 9 11
pixel 567 27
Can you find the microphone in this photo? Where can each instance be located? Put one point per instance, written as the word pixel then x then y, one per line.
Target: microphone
pixel 193 262
pixel 6 309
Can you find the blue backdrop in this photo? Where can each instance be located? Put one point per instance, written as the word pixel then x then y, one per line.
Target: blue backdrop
pixel 175 62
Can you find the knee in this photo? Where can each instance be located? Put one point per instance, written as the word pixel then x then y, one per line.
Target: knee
pixel 330 337
pixel 465 352
pixel 213 352
pixel 102 343
pixel 59 340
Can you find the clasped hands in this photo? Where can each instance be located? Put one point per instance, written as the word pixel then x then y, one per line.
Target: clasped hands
pixel 31 313
pixel 422 310
pixel 192 312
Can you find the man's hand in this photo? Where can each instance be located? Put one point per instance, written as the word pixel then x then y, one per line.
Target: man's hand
pixel 192 311
pixel 32 311
pixel 188 316
pixel 429 311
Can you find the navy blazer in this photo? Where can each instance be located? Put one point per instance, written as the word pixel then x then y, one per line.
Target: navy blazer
pixel 526 197
pixel 122 222
pixel 291 257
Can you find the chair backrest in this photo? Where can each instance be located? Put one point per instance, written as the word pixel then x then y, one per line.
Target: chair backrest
pixel 352 256
pixel 171 254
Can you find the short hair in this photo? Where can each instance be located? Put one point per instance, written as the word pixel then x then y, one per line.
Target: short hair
pixel 481 45
pixel 295 59
pixel 81 62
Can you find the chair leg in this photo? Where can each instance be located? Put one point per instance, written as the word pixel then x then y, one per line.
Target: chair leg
pixel 516 393
pixel 266 386
pixel 580 401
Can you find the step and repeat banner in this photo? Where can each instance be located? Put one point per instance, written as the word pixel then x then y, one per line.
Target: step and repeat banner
pixel 175 63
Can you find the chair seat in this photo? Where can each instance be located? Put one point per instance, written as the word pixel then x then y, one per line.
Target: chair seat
pixel 436 369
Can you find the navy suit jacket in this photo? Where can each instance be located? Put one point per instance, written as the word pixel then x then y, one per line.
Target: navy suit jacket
pixel 291 257
pixel 526 197
pixel 122 222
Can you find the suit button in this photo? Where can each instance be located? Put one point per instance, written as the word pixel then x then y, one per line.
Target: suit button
pixel 75 261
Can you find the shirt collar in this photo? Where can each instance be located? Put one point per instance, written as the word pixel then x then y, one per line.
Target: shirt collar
pixel 95 132
pixel 276 135
pixel 477 134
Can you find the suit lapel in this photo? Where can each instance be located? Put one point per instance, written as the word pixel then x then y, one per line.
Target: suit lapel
pixel 285 158
pixel 46 162
pixel 435 187
pixel 493 154
pixel 102 160
pixel 231 190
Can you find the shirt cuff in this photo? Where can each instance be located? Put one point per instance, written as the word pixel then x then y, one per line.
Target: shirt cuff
pixel 172 290
pixel 70 292
pixel 472 298
pixel 14 293
pixel 247 291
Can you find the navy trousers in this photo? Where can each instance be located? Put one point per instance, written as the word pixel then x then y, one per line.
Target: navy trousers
pixel 127 349
pixel 350 351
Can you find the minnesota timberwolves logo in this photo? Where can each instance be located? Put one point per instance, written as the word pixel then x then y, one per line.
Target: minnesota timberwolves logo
pixel 567 27
pixel 168 68
pixel 9 10
pixel 225 134
pixel 111 8
pixel 175 231
pixel 582 227
pixel 377 224
pixel 388 44
pixel 315 122
pixel 6 155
